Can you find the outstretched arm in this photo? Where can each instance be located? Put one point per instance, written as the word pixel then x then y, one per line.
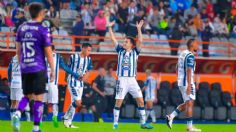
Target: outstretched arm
pixel 140 36
pixel 113 38
pixel 66 68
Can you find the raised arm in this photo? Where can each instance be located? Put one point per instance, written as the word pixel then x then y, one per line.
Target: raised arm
pixel 113 38
pixel 140 36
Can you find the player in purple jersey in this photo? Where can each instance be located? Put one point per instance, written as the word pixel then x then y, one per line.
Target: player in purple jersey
pixel 33 44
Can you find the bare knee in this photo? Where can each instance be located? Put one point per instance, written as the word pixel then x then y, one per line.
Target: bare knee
pixel 78 103
pixel 149 105
pixel 140 102
pixel 118 103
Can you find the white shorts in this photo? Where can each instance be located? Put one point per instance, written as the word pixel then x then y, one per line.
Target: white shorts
pixel 52 95
pixel 183 90
pixel 128 85
pixel 75 93
pixel 16 94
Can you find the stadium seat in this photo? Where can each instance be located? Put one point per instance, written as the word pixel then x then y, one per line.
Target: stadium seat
pixel 175 97
pixel 175 85
pixel 165 84
pixel 221 113
pixel 128 111
pixel 226 99
pixel 197 113
pixel 204 86
pixel 208 113
pixel 215 98
pixel 233 113
pixel 202 98
pixel 158 111
pixel 163 96
pixel 216 86
pixel 140 83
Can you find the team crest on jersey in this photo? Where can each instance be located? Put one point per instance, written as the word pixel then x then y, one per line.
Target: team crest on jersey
pixel 126 63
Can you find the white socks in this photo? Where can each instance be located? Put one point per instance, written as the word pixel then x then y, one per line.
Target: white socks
pixel 55 109
pixel 142 115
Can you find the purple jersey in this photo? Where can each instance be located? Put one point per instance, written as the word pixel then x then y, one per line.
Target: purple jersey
pixel 33 38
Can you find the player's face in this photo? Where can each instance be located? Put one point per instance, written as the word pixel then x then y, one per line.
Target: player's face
pixel 127 44
pixel 195 46
pixel 87 51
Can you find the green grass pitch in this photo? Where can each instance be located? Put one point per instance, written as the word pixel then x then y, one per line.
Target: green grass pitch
pixel 5 126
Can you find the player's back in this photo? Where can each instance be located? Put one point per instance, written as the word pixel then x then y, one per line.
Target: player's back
pixel 183 62
pixel 33 37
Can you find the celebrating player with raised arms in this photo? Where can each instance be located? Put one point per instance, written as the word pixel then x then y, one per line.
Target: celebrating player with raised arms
pixel 79 63
pixel 126 71
pixel 186 67
pixel 33 44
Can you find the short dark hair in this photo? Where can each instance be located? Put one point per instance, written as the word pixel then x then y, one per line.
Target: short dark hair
pixel 34 9
pixel 86 45
pixel 132 40
pixel 189 42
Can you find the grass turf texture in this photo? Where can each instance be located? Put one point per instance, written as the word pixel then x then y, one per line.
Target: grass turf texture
pixel 5 126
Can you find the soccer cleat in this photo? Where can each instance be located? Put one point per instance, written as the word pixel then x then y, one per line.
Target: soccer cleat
pixel 55 121
pixel 16 123
pixel 68 124
pixel 146 126
pixel 169 121
pixel 193 129
pixel 115 126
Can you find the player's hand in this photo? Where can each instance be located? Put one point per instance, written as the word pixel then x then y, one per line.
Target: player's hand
pixel 111 24
pixel 140 24
pixel 103 94
pixel 188 91
pixel 52 76
pixel 80 78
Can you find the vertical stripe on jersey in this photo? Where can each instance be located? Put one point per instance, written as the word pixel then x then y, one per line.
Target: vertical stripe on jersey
pixel 56 69
pixel 72 67
pixel 185 69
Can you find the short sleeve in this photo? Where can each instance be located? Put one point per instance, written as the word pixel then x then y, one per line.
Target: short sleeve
pixel 46 37
pixel 137 50
pixel 190 61
pixel 119 48
pixel 90 65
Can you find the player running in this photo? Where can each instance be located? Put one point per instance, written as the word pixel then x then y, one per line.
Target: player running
pixel 126 72
pixel 79 63
pixel 186 67
pixel 150 89
pixel 33 44
pixel 51 97
pixel 14 79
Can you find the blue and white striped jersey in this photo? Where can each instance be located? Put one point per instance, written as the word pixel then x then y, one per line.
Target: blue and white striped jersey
pixel 186 60
pixel 59 63
pixel 14 73
pixel 80 66
pixel 151 85
pixel 127 61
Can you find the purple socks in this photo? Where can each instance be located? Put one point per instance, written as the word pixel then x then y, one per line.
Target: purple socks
pixel 23 103
pixel 38 112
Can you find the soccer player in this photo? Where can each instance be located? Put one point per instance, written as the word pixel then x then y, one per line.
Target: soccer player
pixel 14 79
pixel 126 72
pixel 150 89
pixel 33 44
pixel 79 63
pixel 185 70
pixel 51 97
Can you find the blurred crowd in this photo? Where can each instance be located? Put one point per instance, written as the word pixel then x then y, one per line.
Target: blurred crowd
pixel 190 17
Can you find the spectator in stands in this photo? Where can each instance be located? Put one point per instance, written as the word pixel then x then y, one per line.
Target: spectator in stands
pixel 132 11
pixel 54 15
pixel 86 15
pixel 122 16
pixel 20 18
pixel 110 85
pixel 154 19
pixel 8 20
pixel 206 36
pixel 233 34
pixel 192 28
pixel 131 29
pixel 67 13
pixel 197 21
pixel 173 6
pixel 221 28
pixel 191 12
pixel 100 24
pixel 78 30
pixel 88 101
pixel 162 10
pixel 176 34
pixel 204 14
pixel 100 96
pixel 164 25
